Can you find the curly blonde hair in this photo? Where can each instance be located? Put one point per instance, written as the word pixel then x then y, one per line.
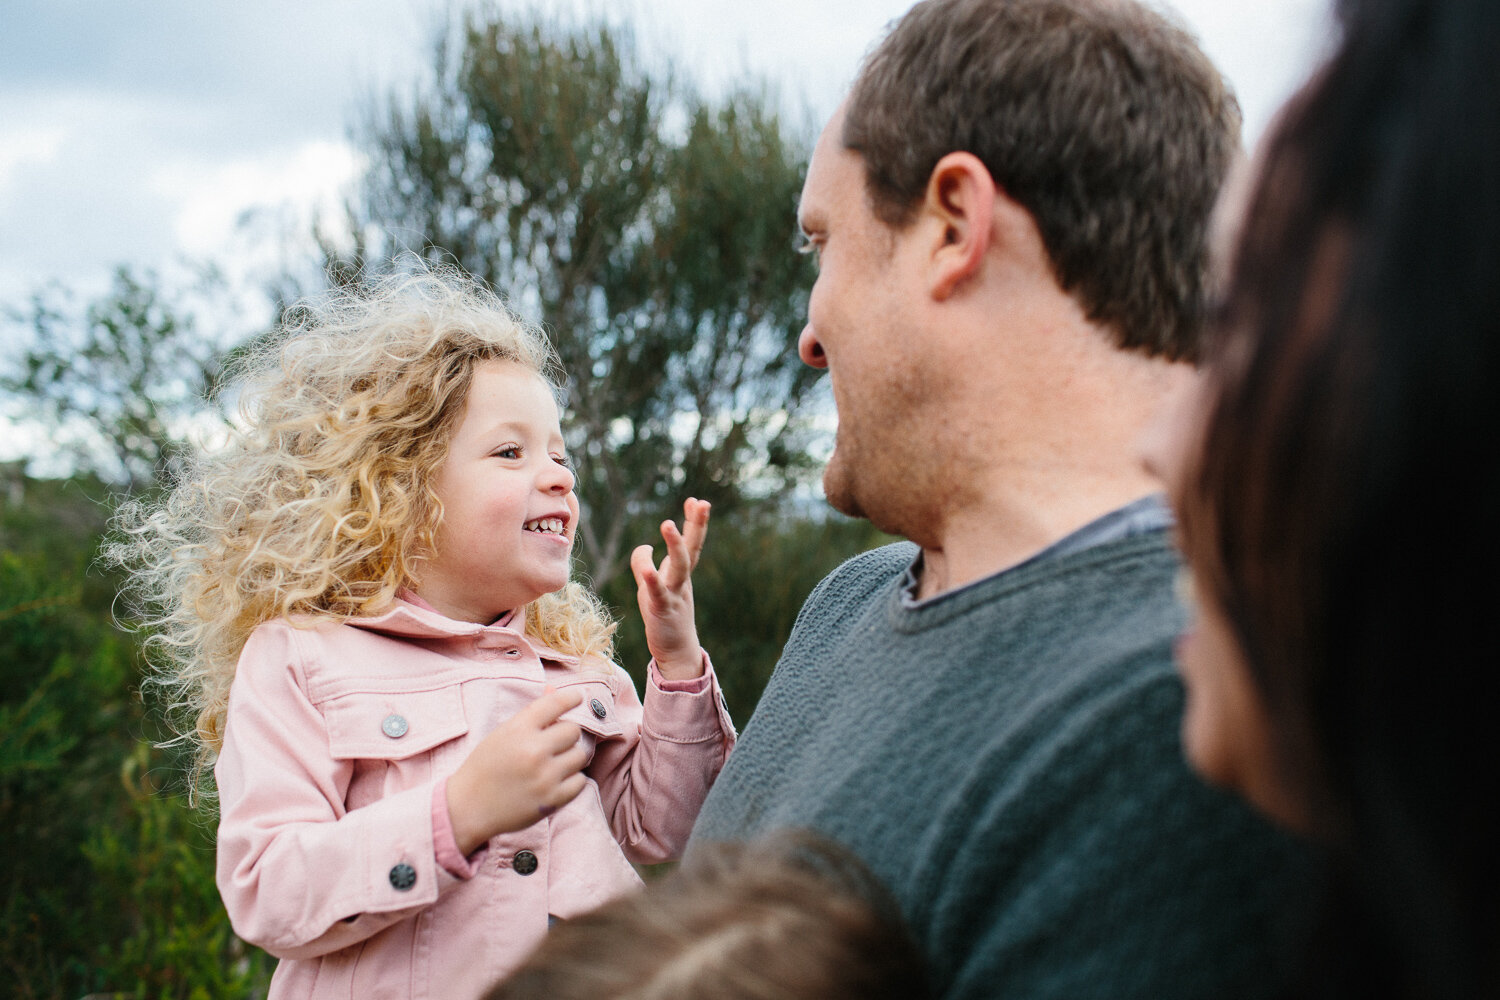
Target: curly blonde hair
pixel 321 505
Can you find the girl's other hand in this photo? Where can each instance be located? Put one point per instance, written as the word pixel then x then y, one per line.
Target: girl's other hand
pixel 665 594
pixel 529 766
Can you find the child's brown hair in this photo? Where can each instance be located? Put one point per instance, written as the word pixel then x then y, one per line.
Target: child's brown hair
pixel 791 917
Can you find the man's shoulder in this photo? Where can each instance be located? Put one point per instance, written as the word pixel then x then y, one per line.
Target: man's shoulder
pixel 860 577
pixel 878 565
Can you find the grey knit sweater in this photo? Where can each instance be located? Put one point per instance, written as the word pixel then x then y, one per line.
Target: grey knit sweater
pixel 1006 758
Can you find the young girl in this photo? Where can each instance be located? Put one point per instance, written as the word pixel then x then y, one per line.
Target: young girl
pixel 422 751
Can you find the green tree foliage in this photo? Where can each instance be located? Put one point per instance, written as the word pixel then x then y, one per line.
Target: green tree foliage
pixel 106 878
pixel 118 383
pixel 649 229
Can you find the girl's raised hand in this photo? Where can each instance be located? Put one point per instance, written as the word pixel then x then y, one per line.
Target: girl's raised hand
pixel 665 594
pixel 528 767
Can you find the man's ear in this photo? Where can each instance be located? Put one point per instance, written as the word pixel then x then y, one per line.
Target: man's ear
pixel 960 199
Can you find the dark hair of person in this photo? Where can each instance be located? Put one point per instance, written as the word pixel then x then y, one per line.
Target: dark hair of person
pixel 1349 473
pixel 790 917
pixel 1101 117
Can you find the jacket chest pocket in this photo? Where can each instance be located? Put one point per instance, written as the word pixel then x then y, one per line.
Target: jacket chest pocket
pixel 597 714
pixel 392 737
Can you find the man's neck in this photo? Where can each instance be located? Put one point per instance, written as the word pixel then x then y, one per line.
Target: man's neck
pixel 1043 427
pixel 973 544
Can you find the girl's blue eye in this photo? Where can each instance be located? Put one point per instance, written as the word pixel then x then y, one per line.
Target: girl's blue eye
pixel 509 451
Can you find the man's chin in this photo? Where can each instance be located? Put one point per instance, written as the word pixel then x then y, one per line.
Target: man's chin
pixel 838 489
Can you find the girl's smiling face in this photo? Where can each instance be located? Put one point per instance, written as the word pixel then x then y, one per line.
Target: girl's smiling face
pixel 509 511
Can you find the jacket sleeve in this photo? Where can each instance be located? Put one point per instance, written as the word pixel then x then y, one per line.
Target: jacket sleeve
pixel 654 777
pixel 300 874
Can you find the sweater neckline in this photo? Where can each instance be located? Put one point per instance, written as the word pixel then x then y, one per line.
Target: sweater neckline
pixel 947 606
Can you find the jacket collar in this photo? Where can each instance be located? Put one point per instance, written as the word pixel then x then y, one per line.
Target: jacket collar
pixel 411 618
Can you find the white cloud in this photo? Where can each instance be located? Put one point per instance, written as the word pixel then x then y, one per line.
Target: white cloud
pixel 27 147
pixel 214 199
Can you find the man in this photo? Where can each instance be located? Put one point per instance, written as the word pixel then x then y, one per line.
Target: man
pixel 1009 213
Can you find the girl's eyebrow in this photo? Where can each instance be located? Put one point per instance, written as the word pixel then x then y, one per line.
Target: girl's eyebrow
pixel 520 429
pixel 506 427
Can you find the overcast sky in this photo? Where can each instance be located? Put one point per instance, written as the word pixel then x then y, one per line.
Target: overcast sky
pixel 138 131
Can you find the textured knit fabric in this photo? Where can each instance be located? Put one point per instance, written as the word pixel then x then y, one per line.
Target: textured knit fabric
pixel 1007 759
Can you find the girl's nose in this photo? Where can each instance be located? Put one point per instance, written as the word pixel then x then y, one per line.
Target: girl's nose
pixel 556 478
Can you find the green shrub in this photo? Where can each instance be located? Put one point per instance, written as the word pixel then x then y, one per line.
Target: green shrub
pixel 107 881
pixel 174 939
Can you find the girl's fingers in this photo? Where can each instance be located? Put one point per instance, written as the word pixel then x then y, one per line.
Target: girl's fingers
pixel 567 790
pixel 641 564
pixel 545 710
pixel 646 577
pixel 694 528
pixel 655 590
pixel 574 760
pixel 559 737
pixel 683 548
pixel 678 563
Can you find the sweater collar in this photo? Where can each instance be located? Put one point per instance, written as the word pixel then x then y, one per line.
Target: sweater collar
pixel 908 616
pixel 1147 515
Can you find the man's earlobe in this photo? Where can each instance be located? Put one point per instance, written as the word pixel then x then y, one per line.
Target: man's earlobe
pixel 960 202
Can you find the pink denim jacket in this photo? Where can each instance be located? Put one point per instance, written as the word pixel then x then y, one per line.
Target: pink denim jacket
pixel 335 849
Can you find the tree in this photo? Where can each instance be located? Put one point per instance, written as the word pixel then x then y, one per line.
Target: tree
pixel 648 228
pixel 106 875
pixel 118 385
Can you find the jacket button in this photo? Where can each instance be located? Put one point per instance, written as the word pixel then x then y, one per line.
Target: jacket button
pixel 403 877
pixel 524 863
pixel 393 726
pixel 598 707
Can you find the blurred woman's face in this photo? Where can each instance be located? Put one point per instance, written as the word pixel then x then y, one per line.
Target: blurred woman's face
pixel 1226 731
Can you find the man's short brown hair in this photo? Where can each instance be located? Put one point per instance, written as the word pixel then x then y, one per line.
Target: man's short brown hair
pixel 1101 117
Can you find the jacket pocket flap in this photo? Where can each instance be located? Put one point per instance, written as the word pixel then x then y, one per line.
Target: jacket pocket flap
pixel 393 725
pixel 596 713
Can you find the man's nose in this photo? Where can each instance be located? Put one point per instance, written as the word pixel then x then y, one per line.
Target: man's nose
pixel 810 350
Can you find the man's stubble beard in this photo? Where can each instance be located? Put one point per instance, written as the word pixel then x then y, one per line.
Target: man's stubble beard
pixel 841 494
pixel 902 500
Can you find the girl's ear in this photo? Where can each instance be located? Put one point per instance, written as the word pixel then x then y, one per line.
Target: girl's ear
pixel 961 199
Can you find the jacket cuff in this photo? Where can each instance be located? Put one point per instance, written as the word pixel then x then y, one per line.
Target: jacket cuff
pixel 396 855
pixel 445 845
pixel 690 711
pixel 692 685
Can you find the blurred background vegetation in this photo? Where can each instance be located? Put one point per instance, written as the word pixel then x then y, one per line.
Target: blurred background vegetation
pixel 651 230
